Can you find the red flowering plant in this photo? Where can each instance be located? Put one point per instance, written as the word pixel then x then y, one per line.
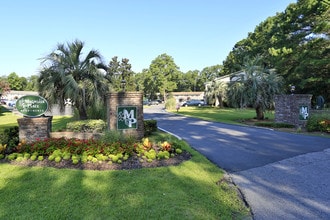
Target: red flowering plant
pixel 95 150
pixel 127 148
pixel 165 146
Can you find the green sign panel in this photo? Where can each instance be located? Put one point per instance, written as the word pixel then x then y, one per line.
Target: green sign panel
pixel 303 112
pixel 32 105
pixel 126 117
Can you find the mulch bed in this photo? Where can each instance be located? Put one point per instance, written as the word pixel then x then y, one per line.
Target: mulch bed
pixel 132 162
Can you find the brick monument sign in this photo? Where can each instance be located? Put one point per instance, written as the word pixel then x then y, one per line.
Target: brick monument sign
pixel 125 113
pixel 293 109
pixel 33 126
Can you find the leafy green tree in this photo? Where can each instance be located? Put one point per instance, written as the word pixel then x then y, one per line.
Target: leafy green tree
pixel 24 82
pixel 139 80
pixel 119 74
pixel 257 87
pixel 15 82
pixel 295 43
pixel 69 75
pixel 188 81
pixel 303 46
pixel 4 86
pixel 162 76
pixel 210 73
pixel 32 83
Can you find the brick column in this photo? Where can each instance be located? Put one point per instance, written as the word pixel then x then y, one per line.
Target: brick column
pixel 32 129
pixel 131 100
pixel 288 108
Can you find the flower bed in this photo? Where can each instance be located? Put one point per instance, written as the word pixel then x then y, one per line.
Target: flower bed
pixel 97 154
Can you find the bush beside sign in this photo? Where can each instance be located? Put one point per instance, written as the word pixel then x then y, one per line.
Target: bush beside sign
pixel 32 105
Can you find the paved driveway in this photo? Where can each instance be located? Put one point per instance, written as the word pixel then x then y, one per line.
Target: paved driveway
pixel 282 175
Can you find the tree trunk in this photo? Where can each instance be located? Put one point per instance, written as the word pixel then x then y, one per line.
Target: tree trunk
pixel 220 101
pixel 83 109
pixel 260 113
pixel 82 114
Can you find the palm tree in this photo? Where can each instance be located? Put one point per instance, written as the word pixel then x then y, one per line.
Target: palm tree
pixel 216 92
pixel 257 87
pixel 68 75
pixel 51 87
pixel 235 94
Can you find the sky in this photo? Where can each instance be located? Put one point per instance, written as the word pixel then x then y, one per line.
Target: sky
pixel 195 33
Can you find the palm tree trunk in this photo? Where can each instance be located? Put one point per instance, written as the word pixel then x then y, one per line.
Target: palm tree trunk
pixel 83 109
pixel 220 101
pixel 82 114
pixel 260 113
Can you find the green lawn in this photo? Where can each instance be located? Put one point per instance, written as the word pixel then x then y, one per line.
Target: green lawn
pixel 186 191
pixel 59 122
pixel 225 115
pixel 7 119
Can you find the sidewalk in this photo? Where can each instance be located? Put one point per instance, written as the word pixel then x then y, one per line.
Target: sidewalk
pixel 294 188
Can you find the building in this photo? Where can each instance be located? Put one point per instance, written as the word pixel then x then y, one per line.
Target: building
pixel 233 77
pixel 11 97
pixel 184 96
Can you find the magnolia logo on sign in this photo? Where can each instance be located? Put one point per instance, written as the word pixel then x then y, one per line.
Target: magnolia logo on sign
pixel 303 113
pixel 32 105
pixel 126 117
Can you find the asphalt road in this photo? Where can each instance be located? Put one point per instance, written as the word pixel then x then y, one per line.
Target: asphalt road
pixel 281 175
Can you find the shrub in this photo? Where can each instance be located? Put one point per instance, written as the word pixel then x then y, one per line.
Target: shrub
pixel 163 155
pixel 10 138
pixel 170 103
pixel 97 111
pixel 112 136
pixel 274 125
pixel 86 126
pixel 33 157
pixel 318 123
pixel 149 127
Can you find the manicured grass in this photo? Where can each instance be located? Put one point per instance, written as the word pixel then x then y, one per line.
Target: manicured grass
pixel 186 191
pixel 59 122
pixel 7 119
pixel 225 115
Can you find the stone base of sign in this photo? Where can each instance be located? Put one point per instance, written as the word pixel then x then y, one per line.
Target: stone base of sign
pixel 293 109
pixel 32 129
pixel 133 101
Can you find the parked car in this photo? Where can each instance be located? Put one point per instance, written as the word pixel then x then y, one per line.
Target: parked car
pixel 153 102
pixel 193 102
pixel 4 101
pixel 146 102
pixel 11 103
